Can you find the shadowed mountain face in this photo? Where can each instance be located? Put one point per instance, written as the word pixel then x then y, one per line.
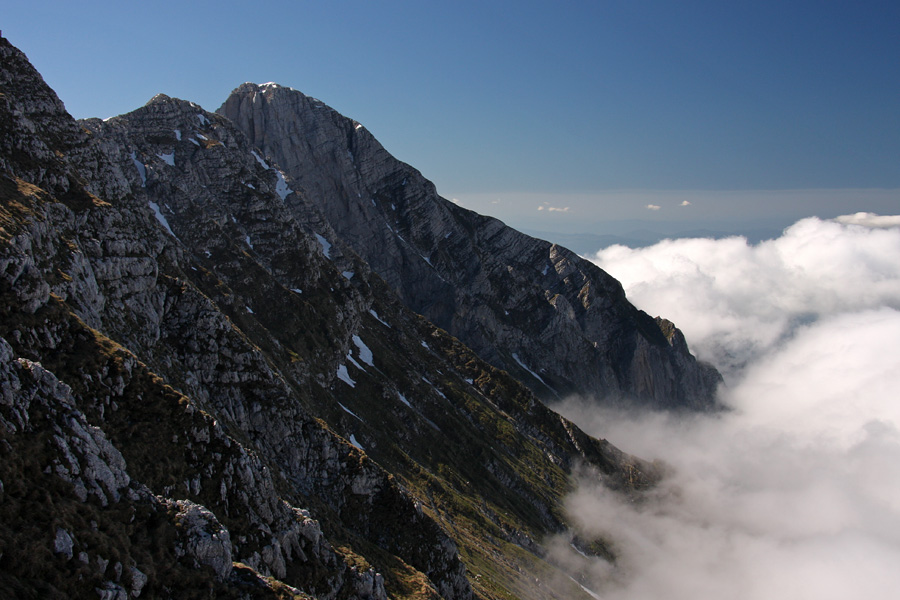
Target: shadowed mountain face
pixel 553 320
pixel 206 390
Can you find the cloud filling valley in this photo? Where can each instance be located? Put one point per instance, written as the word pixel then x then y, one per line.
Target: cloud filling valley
pixel 794 491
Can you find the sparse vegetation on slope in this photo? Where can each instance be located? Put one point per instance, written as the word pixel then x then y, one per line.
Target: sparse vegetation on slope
pixel 259 413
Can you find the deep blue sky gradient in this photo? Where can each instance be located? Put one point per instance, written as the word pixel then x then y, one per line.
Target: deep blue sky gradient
pixel 516 99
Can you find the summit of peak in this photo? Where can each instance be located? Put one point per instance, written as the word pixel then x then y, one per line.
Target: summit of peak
pixel 270 87
pixel 168 104
pixel 159 99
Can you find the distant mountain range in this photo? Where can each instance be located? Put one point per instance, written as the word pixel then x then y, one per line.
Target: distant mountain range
pixel 250 354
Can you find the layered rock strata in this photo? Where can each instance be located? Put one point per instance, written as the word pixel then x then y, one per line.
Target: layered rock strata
pixel 205 391
pixel 555 321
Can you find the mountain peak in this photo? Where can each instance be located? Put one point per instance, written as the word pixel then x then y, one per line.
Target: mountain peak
pixel 168 102
pixel 216 375
pixel 533 309
pixel 159 99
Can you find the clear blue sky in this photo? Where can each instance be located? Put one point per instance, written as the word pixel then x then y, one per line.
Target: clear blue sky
pixel 512 106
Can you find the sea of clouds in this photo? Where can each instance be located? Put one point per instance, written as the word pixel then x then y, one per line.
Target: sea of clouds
pixel 794 492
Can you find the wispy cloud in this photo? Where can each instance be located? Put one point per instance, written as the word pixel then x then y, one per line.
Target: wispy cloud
pixel 796 488
pixel 596 210
pixel 870 220
pixel 653 207
pixel 546 206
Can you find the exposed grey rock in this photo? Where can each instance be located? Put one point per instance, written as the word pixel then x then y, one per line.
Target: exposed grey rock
pixel 30 129
pixel 211 217
pixel 138 581
pixel 187 344
pixel 85 456
pixel 112 591
pixel 63 543
pixel 203 537
pixel 121 272
pixel 102 563
pixel 557 322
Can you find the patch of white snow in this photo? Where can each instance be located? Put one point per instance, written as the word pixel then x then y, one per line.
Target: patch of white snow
pixel 587 591
pixel 326 246
pixel 169 158
pixel 264 164
pixel 533 374
pixel 348 411
pixel 355 364
pixel 356 443
pixel 377 318
pixel 281 186
pixel 365 354
pixel 141 169
pixel 344 376
pixel 161 218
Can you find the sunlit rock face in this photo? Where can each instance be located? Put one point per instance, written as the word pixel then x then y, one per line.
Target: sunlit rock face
pixel 204 385
pixel 553 320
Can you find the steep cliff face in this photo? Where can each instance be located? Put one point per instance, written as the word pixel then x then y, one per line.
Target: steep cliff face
pixel 72 264
pixel 554 320
pixel 205 391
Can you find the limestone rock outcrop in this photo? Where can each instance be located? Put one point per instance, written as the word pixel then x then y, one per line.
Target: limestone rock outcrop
pixel 555 321
pixel 206 390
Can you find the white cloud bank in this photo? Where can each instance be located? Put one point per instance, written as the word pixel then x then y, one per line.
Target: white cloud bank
pixel 795 492
pixel 735 301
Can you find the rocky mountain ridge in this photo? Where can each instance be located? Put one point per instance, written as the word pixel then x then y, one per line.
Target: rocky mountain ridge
pixel 205 391
pixel 555 321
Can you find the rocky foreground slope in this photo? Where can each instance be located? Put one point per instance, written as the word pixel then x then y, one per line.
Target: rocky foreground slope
pixel 205 392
